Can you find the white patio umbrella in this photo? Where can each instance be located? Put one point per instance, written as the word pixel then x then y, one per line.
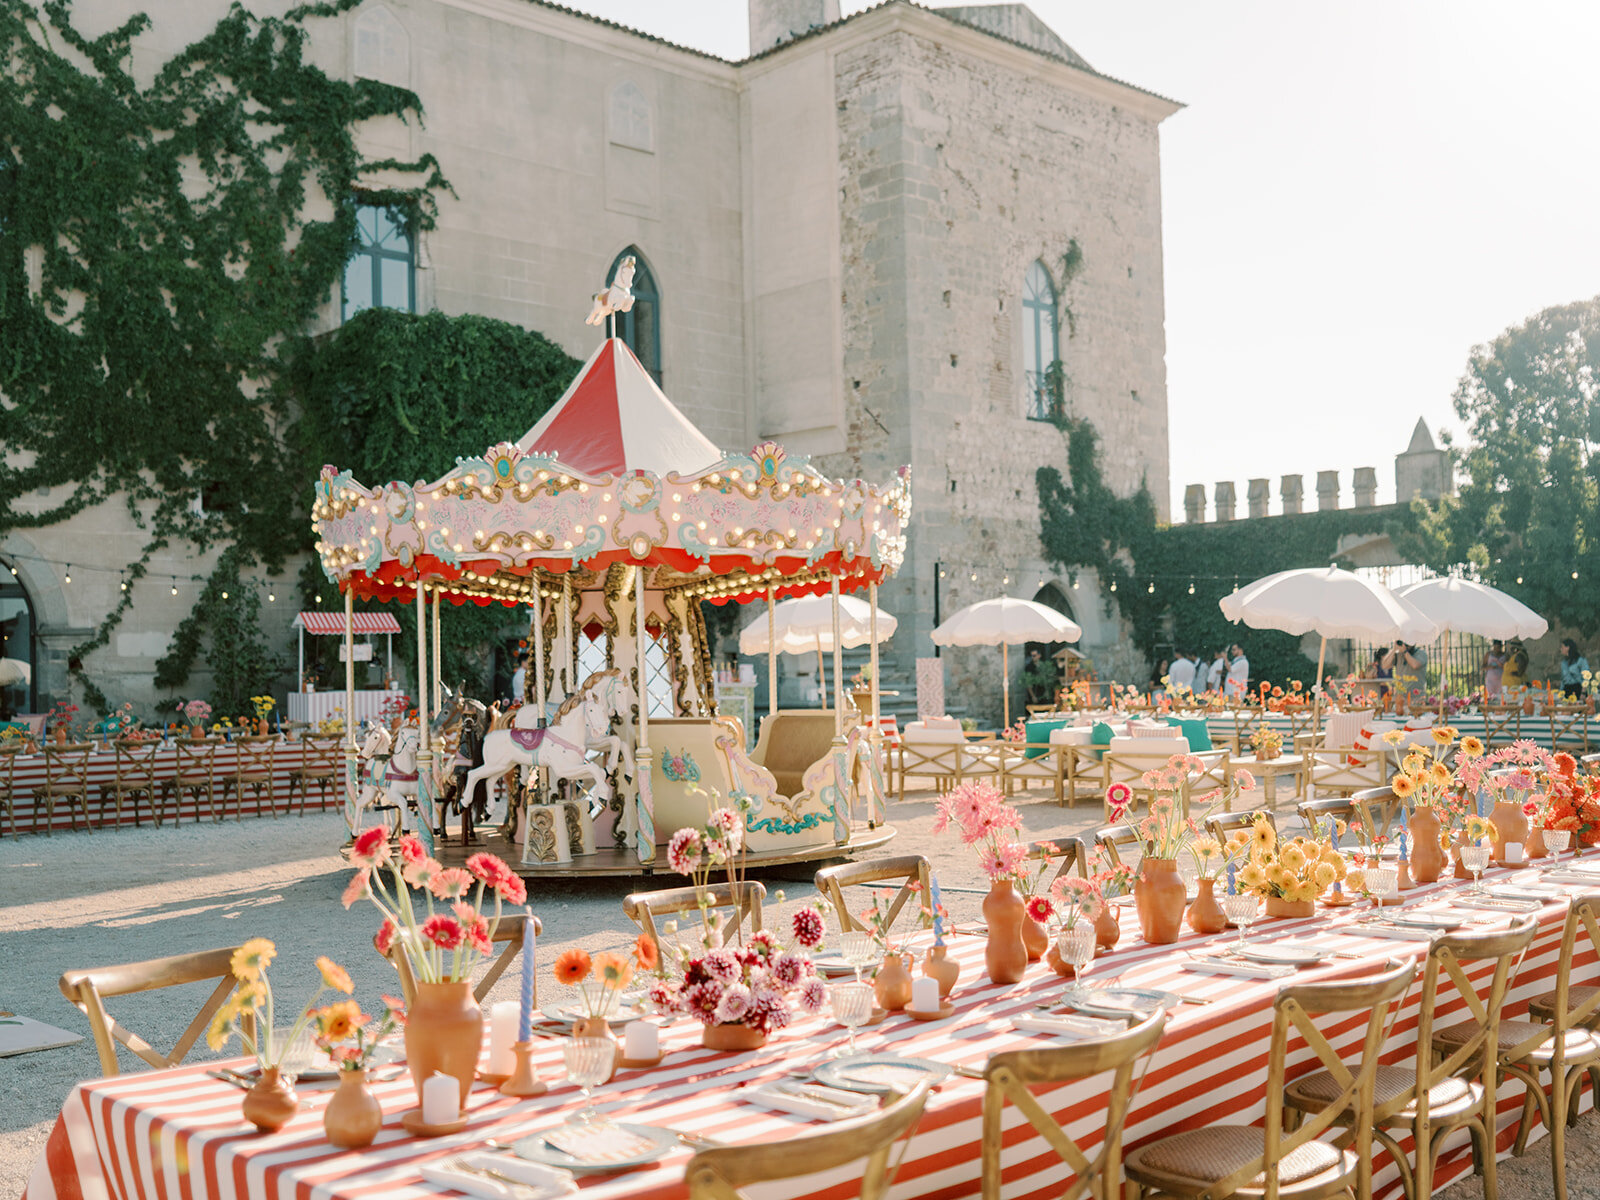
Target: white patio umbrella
pixel 1329 602
pixel 14 671
pixel 1462 606
pixel 1005 621
pixel 804 625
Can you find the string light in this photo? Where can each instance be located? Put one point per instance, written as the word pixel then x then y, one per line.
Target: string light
pixel 272 597
pixel 124 584
pixel 174 589
pixel 224 595
pixel 68 576
pixel 1191 587
pixel 1152 588
pixel 1113 585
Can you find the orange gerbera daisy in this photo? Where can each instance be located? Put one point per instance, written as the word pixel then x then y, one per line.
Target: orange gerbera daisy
pixel 646 951
pixel 572 966
pixel 335 976
pixel 1403 786
pixel 613 969
pixel 338 1021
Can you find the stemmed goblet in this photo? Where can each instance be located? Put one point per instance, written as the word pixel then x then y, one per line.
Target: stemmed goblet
pixel 852 1007
pixel 1241 909
pixel 1475 859
pixel 1555 841
pixel 589 1061
pixel 1380 883
pixel 859 949
pixel 1076 948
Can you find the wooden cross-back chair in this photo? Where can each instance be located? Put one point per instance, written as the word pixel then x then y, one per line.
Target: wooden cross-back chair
pixel 66 777
pixel 721 1173
pixel 910 869
pixel 1366 814
pixel 1010 1075
pixel 509 931
pixel 8 775
pixel 87 991
pixel 1120 844
pixel 1569 728
pixel 194 771
pixel 135 776
pixel 321 767
pixel 253 770
pixel 743 898
pixel 1220 1160
pixel 1436 1096
pixel 1565 1049
pixel 1222 826
pixel 1502 724
pixel 1068 852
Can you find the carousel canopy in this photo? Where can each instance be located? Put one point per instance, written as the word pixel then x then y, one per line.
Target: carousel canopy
pixel 613 477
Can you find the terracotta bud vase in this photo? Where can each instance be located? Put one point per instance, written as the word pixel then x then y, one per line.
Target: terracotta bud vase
pixel 1034 939
pixel 1205 914
pixel 354 1115
pixel 597 1027
pixel 60 735
pixel 1159 896
pixel 1461 872
pixel 1427 859
pixel 939 966
pixel 732 1038
pixel 444 1034
pixel 1511 825
pixel 262 730
pixel 271 1102
pixel 891 990
pixel 1107 930
pixel 196 732
pixel 1005 956
pixel 1277 906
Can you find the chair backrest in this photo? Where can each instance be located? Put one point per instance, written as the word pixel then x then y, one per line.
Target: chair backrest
pixel 1068 852
pixel 87 991
pixel 1010 1074
pixel 509 930
pixel 1584 915
pixel 911 870
pixel 255 755
pixel 1379 806
pixel 744 898
pixel 1446 956
pixel 1225 825
pixel 67 766
pixel 196 758
pixel 1569 724
pixel 322 751
pixel 1501 720
pixel 718 1174
pixel 136 764
pixel 1121 844
pixel 1331 808
pixel 1339 730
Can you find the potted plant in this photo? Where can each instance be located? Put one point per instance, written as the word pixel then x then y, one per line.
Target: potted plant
pixel 1289 874
pixel 348 1037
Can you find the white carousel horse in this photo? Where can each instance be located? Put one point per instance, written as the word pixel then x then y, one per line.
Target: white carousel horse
pixel 616 298
pixel 388 769
pixel 581 726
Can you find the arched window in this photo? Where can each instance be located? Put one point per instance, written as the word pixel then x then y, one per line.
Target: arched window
pixel 18 661
pixel 382 272
pixel 1041 340
pixel 641 326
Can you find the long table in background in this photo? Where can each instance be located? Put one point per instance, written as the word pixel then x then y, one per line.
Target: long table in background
pixel 1503 730
pixel 179 1133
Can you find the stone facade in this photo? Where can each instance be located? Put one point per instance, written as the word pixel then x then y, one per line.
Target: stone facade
pixel 839 228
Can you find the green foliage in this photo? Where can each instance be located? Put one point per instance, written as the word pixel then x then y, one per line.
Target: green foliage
pixel 177 233
pixel 229 610
pixel 394 395
pixel 1527 515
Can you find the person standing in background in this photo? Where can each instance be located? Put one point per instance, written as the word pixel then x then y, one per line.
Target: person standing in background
pixel 519 679
pixel 1574 666
pixel 1410 669
pixel 1494 661
pixel 1238 673
pixel 1181 677
pixel 1219 668
pixel 1514 675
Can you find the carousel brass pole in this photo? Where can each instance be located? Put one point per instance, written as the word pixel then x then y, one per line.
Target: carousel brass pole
pixel 645 819
pixel 425 814
pixel 538 651
pixel 438 692
pixel 838 664
pixel 874 733
pixel 351 782
pixel 567 683
pixel 772 655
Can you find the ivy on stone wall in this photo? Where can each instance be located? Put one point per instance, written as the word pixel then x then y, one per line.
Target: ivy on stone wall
pixel 158 244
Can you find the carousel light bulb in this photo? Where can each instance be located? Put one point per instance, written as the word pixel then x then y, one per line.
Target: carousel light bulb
pixel 606 496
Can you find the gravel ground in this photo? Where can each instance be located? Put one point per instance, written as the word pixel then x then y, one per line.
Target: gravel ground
pixel 88 899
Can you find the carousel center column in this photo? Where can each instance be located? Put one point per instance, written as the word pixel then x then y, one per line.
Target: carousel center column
pixel 352 779
pixel 645 814
pixel 425 814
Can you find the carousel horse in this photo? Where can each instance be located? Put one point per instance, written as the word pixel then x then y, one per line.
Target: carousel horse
pixel 388 769
pixel 581 725
pixel 616 298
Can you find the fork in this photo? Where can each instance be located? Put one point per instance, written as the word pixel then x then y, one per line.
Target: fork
pixel 463 1167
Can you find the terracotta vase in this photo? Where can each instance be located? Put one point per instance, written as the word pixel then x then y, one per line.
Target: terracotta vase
pixel 1107 929
pixel 1005 956
pixel 444 1034
pixel 196 732
pixel 1461 871
pixel 1427 859
pixel 732 1038
pixel 891 989
pixel 271 1102
pixel 262 730
pixel 354 1115
pixel 597 1027
pixel 60 736
pixel 1511 825
pixel 1034 939
pixel 1205 914
pixel 1277 906
pixel 938 965
pixel 1534 847
pixel 1268 755
pixel 1159 896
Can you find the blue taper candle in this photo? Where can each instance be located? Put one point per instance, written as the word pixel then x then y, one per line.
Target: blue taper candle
pixel 525 1024
pixel 1232 886
pixel 938 920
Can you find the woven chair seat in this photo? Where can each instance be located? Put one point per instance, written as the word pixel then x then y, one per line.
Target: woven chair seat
pixel 312 773
pixel 251 776
pixel 192 780
pixel 1202 1156
pixel 1543 1008
pixel 1580 1045
pixel 1316 1091
pixel 60 789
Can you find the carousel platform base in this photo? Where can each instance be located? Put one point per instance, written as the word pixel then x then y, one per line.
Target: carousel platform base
pixel 453 853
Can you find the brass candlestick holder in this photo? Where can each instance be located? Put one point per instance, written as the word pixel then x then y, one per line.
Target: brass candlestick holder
pixel 523 1081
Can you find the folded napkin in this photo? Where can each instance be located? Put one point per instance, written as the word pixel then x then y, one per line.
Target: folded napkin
pixel 1233 966
pixel 830 965
pixel 1490 904
pixel 598 1143
pixel 811 1100
pixel 1065 1026
pixel 1527 891
pixel 1581 878
pixel 535 1181
pixel 1397 932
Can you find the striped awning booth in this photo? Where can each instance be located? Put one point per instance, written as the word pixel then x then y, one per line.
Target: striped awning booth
pixel 362 622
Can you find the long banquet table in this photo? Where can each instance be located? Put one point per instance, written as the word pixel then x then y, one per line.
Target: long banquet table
pixel 1536 728
pixel 178 1133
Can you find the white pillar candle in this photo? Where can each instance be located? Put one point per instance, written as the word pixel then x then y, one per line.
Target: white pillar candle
pixel 1513 852
pixel 441 1099
pixel 925 994
pixel 643 1041
pixel 503 1019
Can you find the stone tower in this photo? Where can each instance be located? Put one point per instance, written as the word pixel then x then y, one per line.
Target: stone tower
pixel 773 22
pixel 1422 469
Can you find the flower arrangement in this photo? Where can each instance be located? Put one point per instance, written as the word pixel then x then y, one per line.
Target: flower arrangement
pixel 197 712
pixel 62 719
pixel 1266 741
pixel 747 985
pixel 861 681
pixel 1512 774
pixel 1572 801
pixel 425 934
pixel 1427 780
pixel 1074 898
pixel 343 1021
pixel 1295 870
pixel 985 820
pixel 253 994
pixel 880 921
pixel 333 722
pixel 600 979
pixel 1016 732
pixel 699 853
pixel 262 706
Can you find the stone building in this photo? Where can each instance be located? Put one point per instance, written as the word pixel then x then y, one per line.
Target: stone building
pixel 870 240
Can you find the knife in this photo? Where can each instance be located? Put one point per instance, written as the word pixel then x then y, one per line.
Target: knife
pixel 806 1092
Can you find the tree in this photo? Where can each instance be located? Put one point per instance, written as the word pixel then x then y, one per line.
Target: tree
pixel 1527 514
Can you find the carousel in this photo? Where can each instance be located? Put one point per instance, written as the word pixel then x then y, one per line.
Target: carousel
pixel 611 521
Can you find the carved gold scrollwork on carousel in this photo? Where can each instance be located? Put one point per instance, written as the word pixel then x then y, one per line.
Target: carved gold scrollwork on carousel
pixel 509 542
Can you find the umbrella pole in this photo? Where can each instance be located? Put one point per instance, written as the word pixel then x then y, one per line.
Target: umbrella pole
pixel 538 649
pixel 1005 673
pixel 838 655
pixel 1316 704
pixel 772 656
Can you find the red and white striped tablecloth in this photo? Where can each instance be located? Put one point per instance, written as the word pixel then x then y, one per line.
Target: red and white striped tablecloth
pixel 288 755
pixel 169 1134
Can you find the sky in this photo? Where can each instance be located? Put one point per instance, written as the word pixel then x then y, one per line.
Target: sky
pixel 1356 194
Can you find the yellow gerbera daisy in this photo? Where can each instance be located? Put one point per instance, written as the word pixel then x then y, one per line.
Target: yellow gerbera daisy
pixel 1324 876
pixel 1443 735
pixel 1252 877
pixel 1275 874
pixel 221 1027
pixel 335 976
pixel 1355 881
pixel 1441 773
pixel 1292 859
pixel 1412 763
pixel 1403 786
pixel 1471 747
pixel 252 958
pixel 1262 837
pixel 1394 737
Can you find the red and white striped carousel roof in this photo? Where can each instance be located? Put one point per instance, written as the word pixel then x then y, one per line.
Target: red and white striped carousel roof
pixel 361 622
pixel 614 418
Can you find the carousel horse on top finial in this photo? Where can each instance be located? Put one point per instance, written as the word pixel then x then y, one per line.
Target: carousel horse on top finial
pixel 616 298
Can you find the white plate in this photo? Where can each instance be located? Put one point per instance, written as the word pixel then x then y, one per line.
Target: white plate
pixel 831 965
pixel 569 1014
pixel 1289 954
pixel 534 1148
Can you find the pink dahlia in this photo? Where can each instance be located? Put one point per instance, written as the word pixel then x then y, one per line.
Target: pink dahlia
pixel 809 928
